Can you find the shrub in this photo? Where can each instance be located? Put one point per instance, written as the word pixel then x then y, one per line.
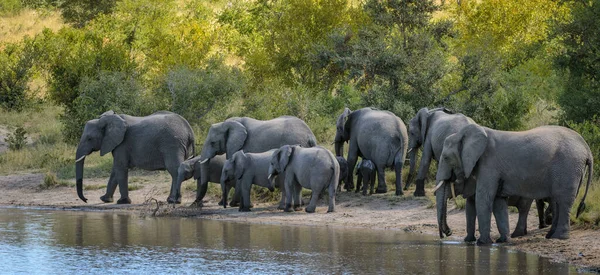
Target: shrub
pixel 10 6
pixel 16 61
pixel 590 131
pixel 17 140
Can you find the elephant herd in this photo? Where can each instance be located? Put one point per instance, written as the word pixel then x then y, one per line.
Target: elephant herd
pixel 491 169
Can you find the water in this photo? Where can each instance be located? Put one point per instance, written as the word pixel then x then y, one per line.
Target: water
pixel 67 242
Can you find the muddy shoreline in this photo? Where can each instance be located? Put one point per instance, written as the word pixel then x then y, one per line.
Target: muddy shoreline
pixel 380 211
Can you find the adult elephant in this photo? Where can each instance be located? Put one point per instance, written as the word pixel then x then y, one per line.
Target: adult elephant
pixel 379 136
pixel 251 136
pixel 544 162
pixel 156 142
pixel 428 130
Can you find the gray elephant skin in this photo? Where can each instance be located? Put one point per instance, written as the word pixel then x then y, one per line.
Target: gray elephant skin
pixel 191 168
pixel 427 131
pixel 365 174
pixel 379 136
pixel 343 172
pixel 544 162
pixel 156 142
pixel 248 169
pixel 314 168
pixel 252 136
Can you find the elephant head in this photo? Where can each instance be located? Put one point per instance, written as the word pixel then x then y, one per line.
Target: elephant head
pixel 342 133
pixel 417 130
pixel 280 161
pixel 104 135
pixel 457 163
pixel 224 137
pixel 233 169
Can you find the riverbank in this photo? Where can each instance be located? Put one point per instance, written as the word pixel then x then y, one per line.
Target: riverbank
pixel 380 211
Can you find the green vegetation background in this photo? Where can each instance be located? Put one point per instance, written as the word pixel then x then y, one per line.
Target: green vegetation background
pixel 510 65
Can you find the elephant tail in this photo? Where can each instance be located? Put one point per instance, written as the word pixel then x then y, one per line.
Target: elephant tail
pixel 590 165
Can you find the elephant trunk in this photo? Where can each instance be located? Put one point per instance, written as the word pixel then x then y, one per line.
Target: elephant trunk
pixel 339 148
pixel 411 172
pixel 79 175
pixel 441 202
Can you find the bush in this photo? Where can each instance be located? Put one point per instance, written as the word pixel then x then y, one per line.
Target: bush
pixel 590 131
pixel 10 6
pixel 16 61
pixel 109 91
pixel 16 140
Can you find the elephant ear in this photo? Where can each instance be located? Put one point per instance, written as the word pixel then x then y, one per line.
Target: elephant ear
pixel 239 163
pixel 114 132
pixel 341 123
pixel 422 116
pixel 236 136
pixel 285 153
pixel 474 141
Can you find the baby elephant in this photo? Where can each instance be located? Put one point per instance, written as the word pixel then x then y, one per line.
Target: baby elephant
pixel 313 168
pixel 365 171
pixel 191 168
pixel 343 173
pixel 248 169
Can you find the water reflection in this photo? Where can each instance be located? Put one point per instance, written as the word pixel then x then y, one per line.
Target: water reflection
pixel 44 241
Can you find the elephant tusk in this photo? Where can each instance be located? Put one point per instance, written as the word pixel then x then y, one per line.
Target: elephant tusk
pixel 409 149
pixel 79 159
pixel 204 161
pixel 438 186
pixel 270 176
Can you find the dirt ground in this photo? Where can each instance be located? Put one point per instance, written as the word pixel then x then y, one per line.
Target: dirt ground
pixel 383 211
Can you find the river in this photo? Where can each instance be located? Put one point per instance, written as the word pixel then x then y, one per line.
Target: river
pixel 34 241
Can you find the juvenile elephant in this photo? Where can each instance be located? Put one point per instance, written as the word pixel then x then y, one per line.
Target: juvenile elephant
pixel 544 162
pixel 313 168
pixel 343 172
pixel 248 169
pixel 156 142
pixel 252 136
pixel 366 173
pixel 379 136
pixel 191 168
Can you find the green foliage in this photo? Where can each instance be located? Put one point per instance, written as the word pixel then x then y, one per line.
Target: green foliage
pixel 16 61
pixel 8 7
pixel 80 12
pixel 17 140
pixel 193 93
pixel 109 91
pixel 590 131
pixel 51 181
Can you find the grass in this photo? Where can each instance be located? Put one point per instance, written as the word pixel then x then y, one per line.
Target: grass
pixel 51 181
pixel 28 22
pixel 591 214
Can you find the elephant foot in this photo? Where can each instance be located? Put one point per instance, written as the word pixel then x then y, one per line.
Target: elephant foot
pixel 234 203
pixel 173 201
pixel 470 239
pixel 280 207
pixel 518 233
pixel 384 190
pixel 244 209
pixel 419 193
pixel 310 209
pixel 543 225
pixel 398 192
pixel 502 239
pixel 106 199
pixel 197 203
pixel 124 201
pixel 288 210
pixel 484 241
pixel 221 202
pixel 560 236
pixel 330 210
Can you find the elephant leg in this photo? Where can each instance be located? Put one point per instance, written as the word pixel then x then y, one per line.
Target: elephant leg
pixel 281 205
pixel 227 190
pixel 110 188
pixel 331 199
pixel 297 196
pixel 548 212
pixel 541 205
pixel 563 208
pixel 423 169
pixel 237 197
pixel 381 186
pixel 245 186
pixel 352 158
pixel 554 219
pixel 524 205
pixel 175 195
pixel 372 182
pixel 500 210
pixel 471 216
pixel 484 201
pixel 398 163
pixel 314 198
pixel 289 189
pixel 122 178
pixel 359 182
pixel 200 193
